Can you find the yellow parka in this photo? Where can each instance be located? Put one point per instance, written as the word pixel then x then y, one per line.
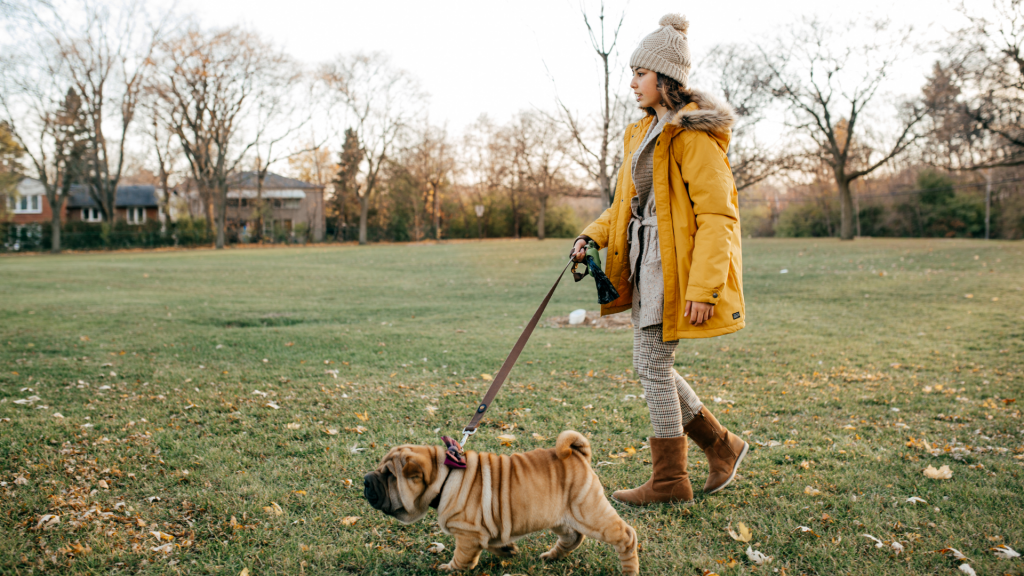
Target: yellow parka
pixel 698 220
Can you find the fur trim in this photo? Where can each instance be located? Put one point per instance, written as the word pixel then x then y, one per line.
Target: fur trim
pixel 712 115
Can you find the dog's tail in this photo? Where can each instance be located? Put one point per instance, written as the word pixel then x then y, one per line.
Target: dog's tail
pixel 572 441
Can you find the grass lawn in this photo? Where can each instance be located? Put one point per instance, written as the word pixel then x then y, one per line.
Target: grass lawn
pixel 233 401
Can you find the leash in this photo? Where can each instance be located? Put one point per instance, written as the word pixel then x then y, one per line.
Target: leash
pixel 510 361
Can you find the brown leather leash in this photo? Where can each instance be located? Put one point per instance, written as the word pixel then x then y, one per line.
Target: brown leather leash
pixel 510 361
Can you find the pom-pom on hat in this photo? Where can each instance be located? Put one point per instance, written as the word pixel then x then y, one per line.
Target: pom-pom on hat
pixel 666 50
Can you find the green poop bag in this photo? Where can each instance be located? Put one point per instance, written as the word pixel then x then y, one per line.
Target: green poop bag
pixel 606 292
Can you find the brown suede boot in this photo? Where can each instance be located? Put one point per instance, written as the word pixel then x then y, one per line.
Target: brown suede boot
pixel 724 450
pixel 669 482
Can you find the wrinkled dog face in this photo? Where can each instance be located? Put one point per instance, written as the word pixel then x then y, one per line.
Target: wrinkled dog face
pixel 399 486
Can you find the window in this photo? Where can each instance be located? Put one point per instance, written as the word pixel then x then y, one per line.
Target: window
pixel 28 204
pixel 136 215
pixel 92 215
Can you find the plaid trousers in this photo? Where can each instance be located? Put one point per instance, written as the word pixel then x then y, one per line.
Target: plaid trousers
pixel 670 399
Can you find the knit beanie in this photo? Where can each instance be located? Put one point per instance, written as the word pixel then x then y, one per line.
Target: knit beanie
pixel 666 50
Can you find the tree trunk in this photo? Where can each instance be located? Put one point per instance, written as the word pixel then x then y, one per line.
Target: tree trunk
pixel 55 231
pixel 204 193
pixel 221 208
pixel 364 206
pixel 540 217
pixel 437 212
pixel 846 224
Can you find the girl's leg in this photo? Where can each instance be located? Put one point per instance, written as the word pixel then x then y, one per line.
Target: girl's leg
pixel 689 403
pixel 669 481
pixel 653 360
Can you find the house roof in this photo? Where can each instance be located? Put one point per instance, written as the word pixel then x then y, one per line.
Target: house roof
pixel 126 196
pixel 272 181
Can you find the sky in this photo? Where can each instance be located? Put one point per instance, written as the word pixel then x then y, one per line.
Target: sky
pixel 500 56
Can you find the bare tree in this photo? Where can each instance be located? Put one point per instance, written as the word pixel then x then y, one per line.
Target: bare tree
pixel 279 115
pixel 47 121
pixel 827 89
pixel 104 53
pixel 596 151
pixel 738 72
pixel 976 92
pixel 212 83
pixel 545 155
pixel 381 102
pixel 431 161
pixel 165 147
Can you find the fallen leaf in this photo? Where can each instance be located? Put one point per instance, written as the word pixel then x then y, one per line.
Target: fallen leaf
pixel 943 473
pixel 743 535
pixel 878 543
pixel 897 547
pixel 244 572
pixel 21 481
pixel 47 521
pixel 364 416
pixel 758 557
pixel 805 465
pixel 430 409
pixel 274 509
pixel 166 548
pixel 153 499
pixel 1005 552
pixel 350 520
pixel 58 415
pixel 293 426
pixel 355 449
pixel 952 552
pixel 347 482
pixel 162 535
pixel 103 484
pixel 915 500
pixel 538 437
pixel 507 438
pixel 806 529
pixel 331 431
pixel 436 548
pixel 76 549
pixel 966 569
pixel 487 377
pixel 811 491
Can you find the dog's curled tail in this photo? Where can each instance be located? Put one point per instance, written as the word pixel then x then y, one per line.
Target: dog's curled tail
pixel 571 441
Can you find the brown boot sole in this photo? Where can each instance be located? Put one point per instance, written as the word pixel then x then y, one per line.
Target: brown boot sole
pixel 735 468
pixel 677 502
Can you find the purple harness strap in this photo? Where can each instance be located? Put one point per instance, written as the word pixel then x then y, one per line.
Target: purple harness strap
pixel 454 457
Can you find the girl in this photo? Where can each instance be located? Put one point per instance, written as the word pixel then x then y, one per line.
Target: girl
pixel 673 239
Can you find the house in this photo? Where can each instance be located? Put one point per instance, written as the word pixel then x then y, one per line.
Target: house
pixel 26 210
pixel 133 204
pixel 28 204
pixel 287 204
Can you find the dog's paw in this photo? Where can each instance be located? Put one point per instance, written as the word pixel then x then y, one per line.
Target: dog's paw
pixel 448 567
pixel 505 551
pixel 551 556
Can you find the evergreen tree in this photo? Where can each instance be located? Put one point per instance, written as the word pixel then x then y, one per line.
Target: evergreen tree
pixel 345 183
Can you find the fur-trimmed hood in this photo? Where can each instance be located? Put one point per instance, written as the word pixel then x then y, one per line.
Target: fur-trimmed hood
pixel 705 113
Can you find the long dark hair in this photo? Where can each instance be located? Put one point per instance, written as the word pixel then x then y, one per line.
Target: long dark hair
pixel 673 95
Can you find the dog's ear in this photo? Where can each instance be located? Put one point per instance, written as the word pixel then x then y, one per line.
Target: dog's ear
pixel 412 470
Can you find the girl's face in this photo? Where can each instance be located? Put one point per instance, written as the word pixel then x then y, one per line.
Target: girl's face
pixel 645 87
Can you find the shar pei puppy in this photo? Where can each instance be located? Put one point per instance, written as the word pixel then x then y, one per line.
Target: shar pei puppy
pixel 497 499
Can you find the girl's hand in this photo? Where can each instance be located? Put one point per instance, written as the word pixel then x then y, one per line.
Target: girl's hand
pixel 579 250
pixel 698 312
